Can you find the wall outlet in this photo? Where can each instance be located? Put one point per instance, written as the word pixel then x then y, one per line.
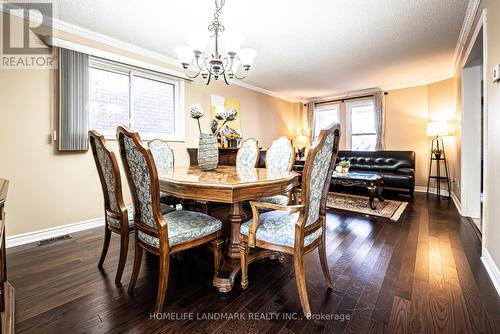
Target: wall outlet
pixel 496 73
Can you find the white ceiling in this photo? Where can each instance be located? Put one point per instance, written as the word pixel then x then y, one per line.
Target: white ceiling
pixel 306 48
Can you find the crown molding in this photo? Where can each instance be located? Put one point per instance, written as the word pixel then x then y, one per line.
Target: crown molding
pixel 139 51
pixel 470 14
pixel 264 91
pixel 417 83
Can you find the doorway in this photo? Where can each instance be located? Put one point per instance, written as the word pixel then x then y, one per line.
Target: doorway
pixel 473 130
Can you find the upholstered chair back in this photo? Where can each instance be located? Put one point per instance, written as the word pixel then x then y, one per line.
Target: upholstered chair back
pixel 317 173
pixel 109 175
pixel 248 154
pixel 280 155
pixel 143 179
pixel 162 154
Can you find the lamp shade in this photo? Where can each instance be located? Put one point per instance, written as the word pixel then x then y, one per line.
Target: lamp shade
pixel 301 141
pixel 185 53
pixel 247 56
pixel 437 129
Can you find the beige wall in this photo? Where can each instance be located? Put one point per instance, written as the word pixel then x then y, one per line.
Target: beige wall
pixel 49 188
pixel 405 124
pixel 407 112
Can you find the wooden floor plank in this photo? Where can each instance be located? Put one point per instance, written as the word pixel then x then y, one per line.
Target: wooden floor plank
pixel 422 274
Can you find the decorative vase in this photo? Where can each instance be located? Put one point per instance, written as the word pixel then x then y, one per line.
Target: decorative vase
pixel 208 152
pixel 338 169
pixel 345 170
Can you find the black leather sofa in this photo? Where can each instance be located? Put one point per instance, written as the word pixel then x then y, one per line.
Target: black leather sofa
pixel 396 167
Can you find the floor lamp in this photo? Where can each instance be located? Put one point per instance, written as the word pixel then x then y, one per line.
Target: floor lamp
pixel 438 154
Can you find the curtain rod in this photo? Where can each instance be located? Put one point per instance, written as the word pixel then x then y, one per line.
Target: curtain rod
pixel 346 99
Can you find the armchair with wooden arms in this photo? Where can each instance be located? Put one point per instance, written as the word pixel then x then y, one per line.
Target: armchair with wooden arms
pixel 296 229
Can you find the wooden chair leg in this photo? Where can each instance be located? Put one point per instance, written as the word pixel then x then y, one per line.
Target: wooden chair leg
pixel 324 260
pixel 217 248
pixel 298 262
pixel 105 246
pixel 162 282
pixel 244 250
pixel 123 258
pixel 137 267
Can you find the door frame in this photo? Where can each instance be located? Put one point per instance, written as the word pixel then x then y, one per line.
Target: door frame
pixel 481 24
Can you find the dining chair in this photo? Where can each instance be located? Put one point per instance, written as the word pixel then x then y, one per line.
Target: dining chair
pixel 157 233
pixel 248 154
pixel 296 229
pixel 164 160
pixel 117 216
pixel 279 157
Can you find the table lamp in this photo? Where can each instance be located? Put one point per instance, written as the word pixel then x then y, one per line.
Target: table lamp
pixel 301 142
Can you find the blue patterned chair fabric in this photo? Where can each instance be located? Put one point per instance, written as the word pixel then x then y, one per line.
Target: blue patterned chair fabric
pixel 278 157
pixel 317 179
pixel 247 154
pixel 141 180
pixel 164 160
pixel 162 154
pixel 108 173
pixel 184 226
pixel 130 213
pixel 278 227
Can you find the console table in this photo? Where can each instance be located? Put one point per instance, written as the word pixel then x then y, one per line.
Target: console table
pixel 227 156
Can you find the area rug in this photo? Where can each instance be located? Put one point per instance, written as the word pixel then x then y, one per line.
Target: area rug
pixel 389 209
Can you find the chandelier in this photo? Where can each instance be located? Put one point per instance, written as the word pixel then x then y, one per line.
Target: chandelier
pixel 226 60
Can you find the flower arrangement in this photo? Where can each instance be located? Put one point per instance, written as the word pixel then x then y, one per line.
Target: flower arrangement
pixel 196 112
pixel 232 136
pixel 222 117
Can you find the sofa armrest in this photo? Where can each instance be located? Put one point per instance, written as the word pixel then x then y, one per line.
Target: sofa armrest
pixel 406 171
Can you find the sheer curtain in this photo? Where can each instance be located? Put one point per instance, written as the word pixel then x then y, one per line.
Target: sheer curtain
pixel 379 111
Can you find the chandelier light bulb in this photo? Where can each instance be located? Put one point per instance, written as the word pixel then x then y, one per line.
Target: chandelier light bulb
pixel 185 54
pixel 247 56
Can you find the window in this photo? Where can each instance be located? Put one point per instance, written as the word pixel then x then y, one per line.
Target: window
pixel 361 117
pixel 324 116
pixel 146 101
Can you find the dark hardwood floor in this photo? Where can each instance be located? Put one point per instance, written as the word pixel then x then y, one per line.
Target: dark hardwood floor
pixel 423 274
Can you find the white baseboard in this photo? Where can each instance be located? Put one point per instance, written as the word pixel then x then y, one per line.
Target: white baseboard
pixel 492 269
pixel 26 238
pixel 456 201
pixel 420 189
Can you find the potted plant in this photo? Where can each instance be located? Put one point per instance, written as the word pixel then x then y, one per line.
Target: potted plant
pixel 208 152
pixel 343 167
pixel 437 153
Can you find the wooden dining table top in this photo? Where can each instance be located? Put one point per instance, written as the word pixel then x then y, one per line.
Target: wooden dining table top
pixel 226 183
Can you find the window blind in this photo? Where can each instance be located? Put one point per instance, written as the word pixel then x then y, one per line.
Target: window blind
pixel 74 100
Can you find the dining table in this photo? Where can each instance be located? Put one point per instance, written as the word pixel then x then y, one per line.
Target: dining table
pixel 232 185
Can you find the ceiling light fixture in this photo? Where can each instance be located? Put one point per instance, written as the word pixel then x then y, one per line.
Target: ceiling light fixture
pixel 223 61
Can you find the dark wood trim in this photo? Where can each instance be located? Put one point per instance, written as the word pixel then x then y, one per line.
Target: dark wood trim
pixel 122 215
pixel 301 230
pixel 164 250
